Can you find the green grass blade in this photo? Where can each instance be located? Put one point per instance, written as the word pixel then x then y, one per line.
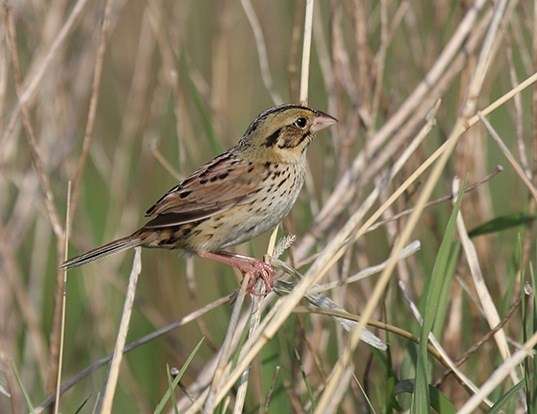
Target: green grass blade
pixel 23 390
pixel 436 289
pixel 507 397
pixel 439 402
pixel 525 319
pixel 443 305
pixel 309 388
pixel 81 406
pixel 171 389
pixel 533 361
pixel 386 393
pixel 530 364
pixel 502 223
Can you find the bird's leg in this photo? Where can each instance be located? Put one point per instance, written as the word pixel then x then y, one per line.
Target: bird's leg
pixel 258 269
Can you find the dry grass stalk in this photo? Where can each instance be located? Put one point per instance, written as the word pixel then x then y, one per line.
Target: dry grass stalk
pixel 261 51
pixel 12 391
pixel 485 298
pixel 448 362
pixel 32 84
pixel 163 161
pixel 271 324
pixel 380 58
pixel 224 353
pixel 519 120
pixel 67 385
pixel 534 93
pixel 37 160
pixel 415 105
pixel 434 74
pixel 94 100
pixel 306 50
pixel 434 348
pixel 44 180
pixel 29 314
pixel 482 340
pixel 278 313
pixel 409 250
pixel 499 375
pixel 339 377
pixel 437 201
pixel 255 315
pixel 362 62
pixel 253 338
pixel 119 348
pixel 255 318
pixel 63 302
pixel 514 163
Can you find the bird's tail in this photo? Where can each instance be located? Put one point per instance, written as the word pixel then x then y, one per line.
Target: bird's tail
pixel 115 246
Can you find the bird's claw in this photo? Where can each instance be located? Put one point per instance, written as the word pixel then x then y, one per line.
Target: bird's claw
pixel 265 272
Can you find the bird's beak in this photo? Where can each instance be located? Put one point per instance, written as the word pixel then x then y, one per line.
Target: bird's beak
pixel 322 121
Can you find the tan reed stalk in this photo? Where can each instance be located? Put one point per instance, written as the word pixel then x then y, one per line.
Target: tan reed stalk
pixel 111 383
pixel 63 302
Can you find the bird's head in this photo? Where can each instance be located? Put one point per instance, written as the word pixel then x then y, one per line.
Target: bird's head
pixel 282 133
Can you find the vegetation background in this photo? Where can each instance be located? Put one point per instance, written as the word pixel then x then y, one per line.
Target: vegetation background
pixel 122 98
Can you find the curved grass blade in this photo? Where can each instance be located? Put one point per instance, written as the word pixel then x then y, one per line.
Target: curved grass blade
pixel 507 397
pixel 23 389
pixel 436 289
pixel 173 385
pixel 501 223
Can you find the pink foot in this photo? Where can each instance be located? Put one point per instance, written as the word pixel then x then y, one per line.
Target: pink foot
pixel 257 269
pixel 263 271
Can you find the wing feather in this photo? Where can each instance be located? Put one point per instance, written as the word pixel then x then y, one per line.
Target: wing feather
pixel 222 183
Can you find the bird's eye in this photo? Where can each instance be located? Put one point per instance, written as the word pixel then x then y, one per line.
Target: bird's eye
pixel 301 122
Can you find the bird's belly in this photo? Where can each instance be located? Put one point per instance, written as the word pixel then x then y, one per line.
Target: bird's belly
pixel 246 220
pixel 238 231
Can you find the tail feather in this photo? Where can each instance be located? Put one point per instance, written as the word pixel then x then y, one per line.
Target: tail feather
pixel 115 246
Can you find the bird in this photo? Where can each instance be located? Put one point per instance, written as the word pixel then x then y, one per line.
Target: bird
pixel 241 193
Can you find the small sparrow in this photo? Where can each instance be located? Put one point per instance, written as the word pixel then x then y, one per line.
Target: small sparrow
pixel 238 195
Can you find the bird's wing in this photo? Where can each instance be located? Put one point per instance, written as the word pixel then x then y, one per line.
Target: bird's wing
pixel 215 187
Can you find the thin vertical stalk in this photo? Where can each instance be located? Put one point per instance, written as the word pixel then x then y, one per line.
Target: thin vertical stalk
pixel 63 300
pixel 119 347
pixel 306 50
